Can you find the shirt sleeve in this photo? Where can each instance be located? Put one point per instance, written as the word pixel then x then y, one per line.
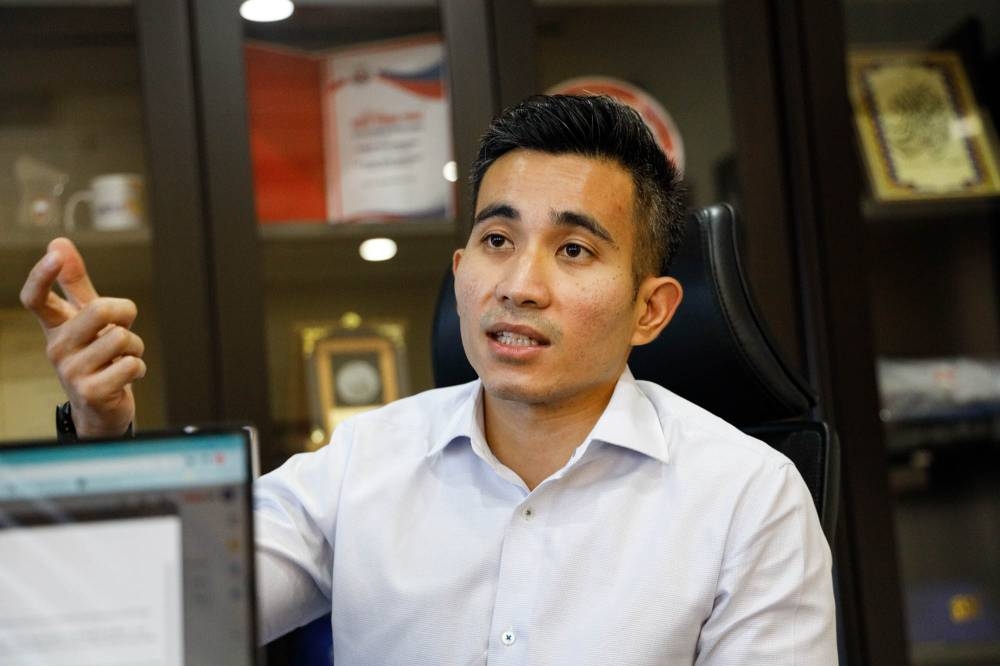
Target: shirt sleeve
pixel 295 520
pixel 774 603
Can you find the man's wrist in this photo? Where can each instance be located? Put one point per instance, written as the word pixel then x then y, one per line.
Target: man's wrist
pixel 66 429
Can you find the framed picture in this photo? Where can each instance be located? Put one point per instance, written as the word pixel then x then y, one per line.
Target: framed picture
pixel 921 131
pixel 387 133
pixel 353 375
pixel 350 365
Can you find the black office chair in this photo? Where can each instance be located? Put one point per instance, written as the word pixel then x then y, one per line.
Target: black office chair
pixel 716 352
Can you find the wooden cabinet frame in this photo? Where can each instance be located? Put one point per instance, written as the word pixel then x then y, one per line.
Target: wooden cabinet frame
pixel 808 133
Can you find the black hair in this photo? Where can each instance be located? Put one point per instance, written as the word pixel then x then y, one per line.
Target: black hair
pixel 603 128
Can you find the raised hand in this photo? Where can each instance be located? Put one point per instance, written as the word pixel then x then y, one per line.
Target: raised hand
pixel 88 341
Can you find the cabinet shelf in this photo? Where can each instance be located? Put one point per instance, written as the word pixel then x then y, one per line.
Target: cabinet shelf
pixel 303 254
pixel 118 261
pixel 312 230
pixel 942 210
pixel 940 455
pixel 17 241
pixel 973 654
pixel 980 429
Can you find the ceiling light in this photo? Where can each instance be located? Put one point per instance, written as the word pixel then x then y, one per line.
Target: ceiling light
pixel 378 249
pixel 450 171
pixel 265 11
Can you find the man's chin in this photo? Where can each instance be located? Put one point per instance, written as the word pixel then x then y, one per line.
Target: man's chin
pixel 516 392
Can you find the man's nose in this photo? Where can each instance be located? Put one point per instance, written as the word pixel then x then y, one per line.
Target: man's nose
pixel 525 280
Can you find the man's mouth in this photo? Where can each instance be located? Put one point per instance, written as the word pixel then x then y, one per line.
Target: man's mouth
pixel 514 339
pixel 517 335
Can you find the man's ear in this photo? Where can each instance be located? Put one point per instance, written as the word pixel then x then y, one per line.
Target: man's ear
pixel 455 259
pixel 656 304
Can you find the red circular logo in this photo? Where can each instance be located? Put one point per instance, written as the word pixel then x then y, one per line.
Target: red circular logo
pixel 657 119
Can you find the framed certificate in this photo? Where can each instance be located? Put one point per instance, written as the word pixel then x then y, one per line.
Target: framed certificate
pixel 356 133
pixel 387 133
pixel 921 132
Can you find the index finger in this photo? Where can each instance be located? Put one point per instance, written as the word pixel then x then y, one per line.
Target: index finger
pixel 37 295
pixel 73 278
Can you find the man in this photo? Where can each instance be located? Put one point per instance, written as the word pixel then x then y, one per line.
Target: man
pixel 556 511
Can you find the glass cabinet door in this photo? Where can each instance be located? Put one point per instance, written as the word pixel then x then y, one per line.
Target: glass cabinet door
pixel 924 81
pixel 73 162
pixel 349 108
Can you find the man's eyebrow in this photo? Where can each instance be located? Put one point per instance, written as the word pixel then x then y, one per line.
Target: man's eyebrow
pixel 570 218
pixel 564 218
pixel 499 209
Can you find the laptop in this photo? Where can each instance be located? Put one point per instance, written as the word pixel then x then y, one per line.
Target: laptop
pixel 136 551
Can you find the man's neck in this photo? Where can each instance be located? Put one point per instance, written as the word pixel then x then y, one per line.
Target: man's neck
pixel 537 440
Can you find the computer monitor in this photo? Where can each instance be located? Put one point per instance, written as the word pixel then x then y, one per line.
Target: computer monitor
pixel 135 551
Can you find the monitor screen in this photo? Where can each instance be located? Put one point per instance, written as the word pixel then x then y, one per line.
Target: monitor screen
pixel 127 552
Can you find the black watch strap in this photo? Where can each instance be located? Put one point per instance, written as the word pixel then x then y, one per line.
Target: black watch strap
pixel 66 430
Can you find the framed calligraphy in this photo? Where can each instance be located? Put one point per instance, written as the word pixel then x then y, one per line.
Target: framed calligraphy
pixel 921 131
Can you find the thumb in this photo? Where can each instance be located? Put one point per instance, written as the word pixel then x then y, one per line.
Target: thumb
pixel 73 278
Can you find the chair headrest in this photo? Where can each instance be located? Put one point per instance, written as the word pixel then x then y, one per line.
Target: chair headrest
pixel 716 352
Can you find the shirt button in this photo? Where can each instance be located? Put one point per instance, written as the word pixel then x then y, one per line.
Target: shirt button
pixel 528 513
pixel 508 637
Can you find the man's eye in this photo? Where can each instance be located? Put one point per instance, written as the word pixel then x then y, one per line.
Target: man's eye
pixel 496 240
pixel 575 250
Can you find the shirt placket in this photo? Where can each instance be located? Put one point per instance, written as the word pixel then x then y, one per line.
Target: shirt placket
pixel 511 628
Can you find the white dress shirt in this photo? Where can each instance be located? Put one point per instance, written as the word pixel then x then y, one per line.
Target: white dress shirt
pixel 668 538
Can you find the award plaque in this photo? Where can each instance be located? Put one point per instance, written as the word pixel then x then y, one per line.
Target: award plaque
pixel 353 375
pixel 922 134
pixel 351 367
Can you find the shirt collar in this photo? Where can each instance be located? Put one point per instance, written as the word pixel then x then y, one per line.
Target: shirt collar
pixel 466 421
pixel 630 421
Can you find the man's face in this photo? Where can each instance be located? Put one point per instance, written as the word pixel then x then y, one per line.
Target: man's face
pixel 544 285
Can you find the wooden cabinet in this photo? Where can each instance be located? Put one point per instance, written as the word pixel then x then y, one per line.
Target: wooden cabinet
pixel 271 280
pixel 91 89
pixel 933 294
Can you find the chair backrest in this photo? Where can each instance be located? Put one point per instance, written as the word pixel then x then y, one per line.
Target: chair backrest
pixel 716 352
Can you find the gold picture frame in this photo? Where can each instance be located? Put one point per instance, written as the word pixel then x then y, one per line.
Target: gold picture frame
pixel 354 374
pixel 921 131
pixel 351 366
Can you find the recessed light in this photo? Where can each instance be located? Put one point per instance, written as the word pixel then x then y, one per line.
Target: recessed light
pixel 378 249
pixel 266 11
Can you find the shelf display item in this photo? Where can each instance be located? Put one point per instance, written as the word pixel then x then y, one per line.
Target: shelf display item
pixel 351 367
pixel 286 134
pixel 354 134
pixel 922 133
pixel 938 388
pixel 939 402
pixel 41 186
pixel 117 201
pixel 387 131
pixel 952 612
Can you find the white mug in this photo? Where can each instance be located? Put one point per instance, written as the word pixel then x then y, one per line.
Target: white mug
pixel 117 201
